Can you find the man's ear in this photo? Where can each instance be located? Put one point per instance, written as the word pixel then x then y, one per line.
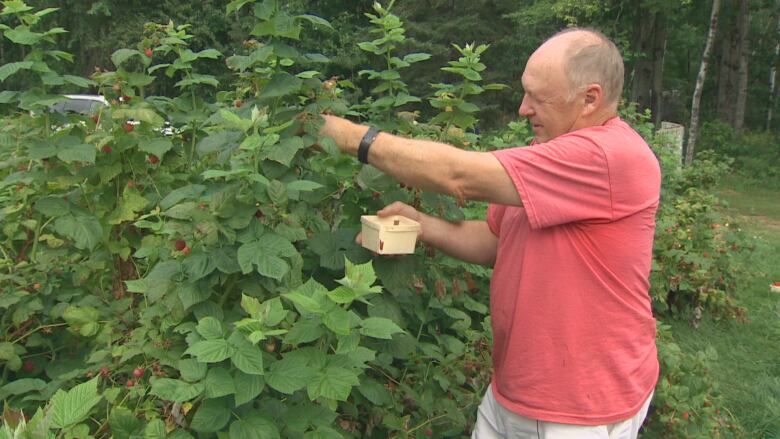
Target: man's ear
pixel 593 99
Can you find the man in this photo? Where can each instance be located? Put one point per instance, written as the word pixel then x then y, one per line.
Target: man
pixel 569 232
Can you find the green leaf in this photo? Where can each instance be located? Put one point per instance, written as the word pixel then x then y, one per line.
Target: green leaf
pixel 333 383
pixel 77 153
pixel 209 328
pixel 211 351
pixel 78 81
pixel 198 266
pixel 338 321
pixel 416 57
pixel 197 79
pixel 305 330
pixel 305 303
pixel 284 151
pixel 169 389
pixel 52 206
pixel 281 84
pixel 316 21
pixel 23 35
pixel 122 55
pixel 219 383
pixel 22 385
pixel 146 115
pixel 124 424
pixel 254 426
pixel 288 375
pixel 211 416
pixel 156 147
pixel 155 429
pixel 191 370
pixel 360 277
pixel 85 231
pixel 303 185
pixel 323 433
pixel 9 69
pixel 375 392
pixel 248 359
pixel 67 409
pixel 248 387
pixel 264 253
pixel 379 327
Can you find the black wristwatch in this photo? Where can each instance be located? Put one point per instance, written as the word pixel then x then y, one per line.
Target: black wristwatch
pixel 365 144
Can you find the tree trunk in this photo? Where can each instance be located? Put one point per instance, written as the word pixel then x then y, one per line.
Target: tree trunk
pixel 728 68
pixel 743 29
pixel 642 73
pixel 693 131
pixel 659 53
pixel 773 75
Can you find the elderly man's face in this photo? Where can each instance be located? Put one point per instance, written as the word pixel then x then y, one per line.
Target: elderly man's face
pixel 546 103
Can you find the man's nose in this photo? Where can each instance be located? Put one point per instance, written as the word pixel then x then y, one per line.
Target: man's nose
pixel 525 109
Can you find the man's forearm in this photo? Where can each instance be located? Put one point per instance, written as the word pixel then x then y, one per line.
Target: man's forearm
pixel 470 241
pixel 428 165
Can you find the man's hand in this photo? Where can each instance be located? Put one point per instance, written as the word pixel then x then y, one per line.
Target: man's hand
pixel 397 208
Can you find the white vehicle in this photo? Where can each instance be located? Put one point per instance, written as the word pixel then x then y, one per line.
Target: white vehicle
pixel 82 104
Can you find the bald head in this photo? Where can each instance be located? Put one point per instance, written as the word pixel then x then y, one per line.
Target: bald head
pixel 586 56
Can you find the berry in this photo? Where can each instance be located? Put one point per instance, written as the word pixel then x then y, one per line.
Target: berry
pixel 186 251
pixel 180 244
pixel 104 372
pixel 130 383
pixel 90 374
pixel 238 103
pixel 270 346
pixel 131 184
pixel 376 195
pixel 106 149
pixel 428 432
pixel 138 372
pixel 153 159
pixel 95 118
pixel 126 98
pixel 37 285
pixel 28 366
pixel 685 415
pixel 129 127
pixel 148 52
pixel 259 214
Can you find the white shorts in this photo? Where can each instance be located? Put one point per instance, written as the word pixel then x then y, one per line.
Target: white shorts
pixel 494 421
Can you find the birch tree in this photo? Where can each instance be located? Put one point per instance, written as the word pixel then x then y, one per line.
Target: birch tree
pixel 693 130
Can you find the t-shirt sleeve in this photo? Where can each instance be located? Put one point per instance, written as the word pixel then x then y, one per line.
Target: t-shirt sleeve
pixel 495 214
pixel 561 181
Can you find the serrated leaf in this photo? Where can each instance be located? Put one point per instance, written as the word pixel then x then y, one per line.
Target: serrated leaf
pixel 288 375
pixel 67 409
pixel 337 320
pixel 191 370
pixel 77 153
pixel 22 385
pixel 122 55
pixel 254 426
pixel 303 185
pixel 379 327
pixel 281 84
pixel 85 231
pixel 156 147
pixel 9 69
pixel 211 351
pixel 248 387
pixel 146 115
pixel 218 383
pixel 124 424
pixel 211 416
pixel 155 429
pixel 332 383
pixel 248 359
pixel 209 328
pixel 174 390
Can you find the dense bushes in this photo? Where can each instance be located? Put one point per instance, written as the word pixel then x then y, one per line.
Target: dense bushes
pixel 204 278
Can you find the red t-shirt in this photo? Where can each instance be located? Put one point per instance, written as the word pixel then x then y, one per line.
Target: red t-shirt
pixel 573 330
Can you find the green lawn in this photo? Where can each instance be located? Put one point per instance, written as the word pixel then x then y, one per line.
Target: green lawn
pixel 748 365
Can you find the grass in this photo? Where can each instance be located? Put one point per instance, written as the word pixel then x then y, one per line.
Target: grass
pixel 748 365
